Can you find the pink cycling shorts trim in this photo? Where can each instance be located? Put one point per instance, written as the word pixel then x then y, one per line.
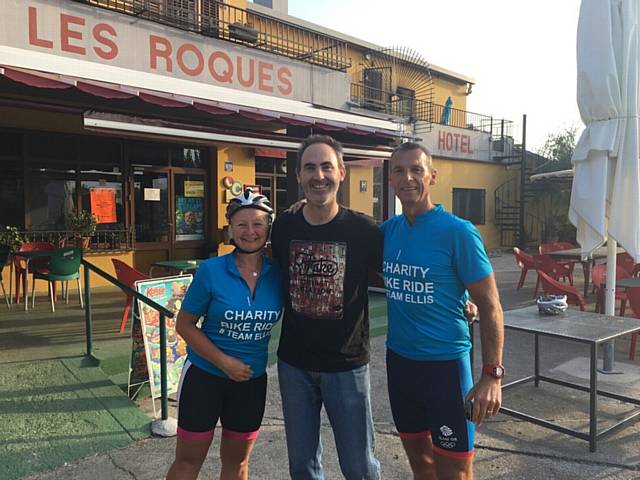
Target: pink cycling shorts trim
pixel 411 436
pixel 195 436
pixel 450 454
pixel 240 436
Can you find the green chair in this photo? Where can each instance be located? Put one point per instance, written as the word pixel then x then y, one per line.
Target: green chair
pixel 4 257
pixel 63 266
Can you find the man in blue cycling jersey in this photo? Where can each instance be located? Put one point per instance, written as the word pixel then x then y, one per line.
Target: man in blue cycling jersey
pixel 431 260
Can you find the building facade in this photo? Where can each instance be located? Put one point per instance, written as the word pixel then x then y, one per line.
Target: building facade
pixel 152 113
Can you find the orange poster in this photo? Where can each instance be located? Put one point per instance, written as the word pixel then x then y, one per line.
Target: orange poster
pixel 103 204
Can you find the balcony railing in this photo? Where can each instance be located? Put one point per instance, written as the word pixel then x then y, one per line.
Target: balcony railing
pixel 100 241
pixel 413 109
pixel 214 18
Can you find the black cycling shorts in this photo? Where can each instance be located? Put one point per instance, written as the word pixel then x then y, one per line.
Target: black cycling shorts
pixel 427 398
pixel 203 398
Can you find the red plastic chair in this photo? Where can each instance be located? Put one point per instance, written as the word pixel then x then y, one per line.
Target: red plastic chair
pixel 633 294
pixel 625 261
pixel 557 271
pixel 525 262
pixel 127 275
pixel 551 286
pixel 599 279
pixel 545 248
pixel 39 263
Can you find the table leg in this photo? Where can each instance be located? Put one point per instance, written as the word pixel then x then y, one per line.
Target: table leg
pixel 593 398
pixel 11 299
pixel 25 284
pixel 536 359
pixel 586 270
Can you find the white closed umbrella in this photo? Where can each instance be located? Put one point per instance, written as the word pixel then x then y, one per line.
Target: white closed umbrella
pixel 605 196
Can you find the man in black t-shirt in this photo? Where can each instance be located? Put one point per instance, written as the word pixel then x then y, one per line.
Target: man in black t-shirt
pixel 325 252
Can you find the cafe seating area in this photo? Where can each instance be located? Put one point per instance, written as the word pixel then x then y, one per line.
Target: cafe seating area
pixel 554 265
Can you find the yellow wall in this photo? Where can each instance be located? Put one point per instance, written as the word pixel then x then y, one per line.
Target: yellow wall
pixel 243 171
pixel 443 88
pixel 461 174
pixel 352 196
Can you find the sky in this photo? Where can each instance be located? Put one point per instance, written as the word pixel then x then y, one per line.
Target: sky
pixel 521 53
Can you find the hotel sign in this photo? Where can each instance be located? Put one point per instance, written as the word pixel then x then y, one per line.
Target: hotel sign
pixel 450 142
pixel 88 33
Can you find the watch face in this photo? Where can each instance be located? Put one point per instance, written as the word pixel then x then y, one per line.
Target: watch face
pixel 499 372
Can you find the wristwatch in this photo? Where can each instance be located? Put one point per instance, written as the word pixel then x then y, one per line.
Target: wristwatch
pixel 496 371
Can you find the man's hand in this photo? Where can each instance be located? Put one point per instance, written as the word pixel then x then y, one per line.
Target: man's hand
pixel 471 311
pixel 295 208
pixel 487 398
pixel 235 369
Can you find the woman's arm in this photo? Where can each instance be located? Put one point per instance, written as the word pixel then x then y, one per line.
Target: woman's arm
pixel 203 346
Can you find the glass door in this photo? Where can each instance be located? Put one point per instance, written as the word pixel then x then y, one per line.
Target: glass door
pixel 151 192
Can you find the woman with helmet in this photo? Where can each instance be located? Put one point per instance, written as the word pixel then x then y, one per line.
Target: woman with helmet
pixel 240 297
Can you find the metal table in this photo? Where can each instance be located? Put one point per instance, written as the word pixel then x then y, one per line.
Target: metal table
pixel 628 282
pixel 576 254
pixel 179 266
pixel 583 327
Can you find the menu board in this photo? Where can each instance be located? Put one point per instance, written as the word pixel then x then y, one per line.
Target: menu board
pixel 168 292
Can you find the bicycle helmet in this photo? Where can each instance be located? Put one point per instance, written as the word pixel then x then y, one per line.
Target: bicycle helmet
pixel 552 304
pixel 248 199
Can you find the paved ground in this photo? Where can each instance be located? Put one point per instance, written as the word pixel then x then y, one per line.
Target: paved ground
pixel 506 448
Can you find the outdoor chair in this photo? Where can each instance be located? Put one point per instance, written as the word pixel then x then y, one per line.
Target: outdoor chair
pixel 545 248
pixel 35 264
pixel 633 294
pixel 525 262
pixel 552 268
pixel 4 257
pixel 625 261
pixel 599 279
pixel 127 275
pixel 64 265
pixel 550 286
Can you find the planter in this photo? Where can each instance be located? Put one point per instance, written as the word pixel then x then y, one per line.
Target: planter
pixel 83 242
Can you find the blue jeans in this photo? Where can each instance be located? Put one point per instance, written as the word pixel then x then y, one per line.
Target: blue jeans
pixel 346 398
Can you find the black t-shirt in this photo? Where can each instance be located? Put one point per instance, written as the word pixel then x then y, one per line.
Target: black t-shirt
pixel 325 272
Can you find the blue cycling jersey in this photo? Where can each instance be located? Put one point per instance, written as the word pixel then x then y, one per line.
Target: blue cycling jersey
pixel 237 323
pixel 426 267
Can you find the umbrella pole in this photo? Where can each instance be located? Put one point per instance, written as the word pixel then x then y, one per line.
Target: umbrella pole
pixel 610 303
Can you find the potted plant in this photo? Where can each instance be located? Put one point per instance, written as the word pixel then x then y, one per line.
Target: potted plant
pixel 83 224
pixel 12 238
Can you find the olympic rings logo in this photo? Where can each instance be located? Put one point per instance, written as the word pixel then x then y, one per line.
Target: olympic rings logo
pixel 447 444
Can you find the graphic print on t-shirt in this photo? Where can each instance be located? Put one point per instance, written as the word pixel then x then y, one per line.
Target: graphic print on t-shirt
pixel 316 278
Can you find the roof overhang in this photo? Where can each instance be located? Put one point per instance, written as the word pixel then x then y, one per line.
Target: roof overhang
pixel 258 107
pixel 129 126
pixel 559 175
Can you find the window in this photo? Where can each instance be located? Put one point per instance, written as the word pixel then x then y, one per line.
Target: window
pixel 271 175
pixel 469 203
pixel 51 190
pixel 406 99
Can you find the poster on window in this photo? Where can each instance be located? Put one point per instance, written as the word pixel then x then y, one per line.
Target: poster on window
pixel 103 204
pixel 168 292
pixel 189 218
pixel 193 188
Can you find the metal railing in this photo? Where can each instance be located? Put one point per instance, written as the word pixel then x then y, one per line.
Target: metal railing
pixel 99 241
pixel 422 111
pixel 216 19
pixel 164 313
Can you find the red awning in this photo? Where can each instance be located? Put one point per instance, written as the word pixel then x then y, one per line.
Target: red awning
pixel 34 78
